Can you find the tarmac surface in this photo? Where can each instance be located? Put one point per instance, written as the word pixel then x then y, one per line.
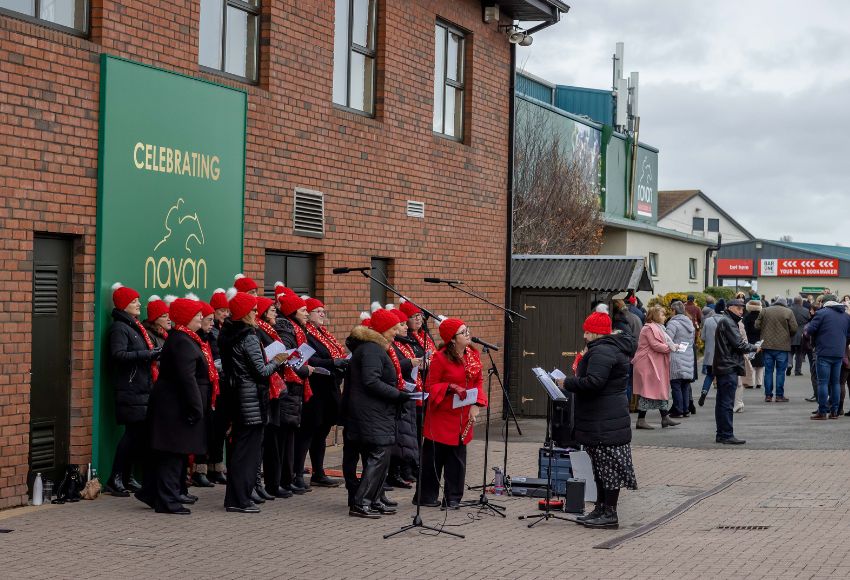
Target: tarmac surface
pixel 786 517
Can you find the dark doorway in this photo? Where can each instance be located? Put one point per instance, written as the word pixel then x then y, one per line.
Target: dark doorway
pixel 381 271
pixel 297 271
pixel 50 386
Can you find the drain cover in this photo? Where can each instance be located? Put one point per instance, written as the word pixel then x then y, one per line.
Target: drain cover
pixel 742 527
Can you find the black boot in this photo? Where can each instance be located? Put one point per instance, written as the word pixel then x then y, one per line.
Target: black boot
pixel 115 486
pixel 598 510
pixel 217 477
pixel 260 490
pixel 387 501
pixel 608 520
pixel 131 484
pixel 255 497
pixel 200 480
pixel 300 486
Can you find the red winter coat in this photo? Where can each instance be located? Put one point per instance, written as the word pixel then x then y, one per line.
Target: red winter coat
pixel 444 424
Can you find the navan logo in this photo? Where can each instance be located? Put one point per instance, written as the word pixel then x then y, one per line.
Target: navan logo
pixel 183 234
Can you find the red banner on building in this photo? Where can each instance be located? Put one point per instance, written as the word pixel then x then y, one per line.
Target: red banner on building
pixel 730 267
pixel 798 268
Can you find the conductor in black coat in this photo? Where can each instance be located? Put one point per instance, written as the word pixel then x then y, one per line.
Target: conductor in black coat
pixel 176 410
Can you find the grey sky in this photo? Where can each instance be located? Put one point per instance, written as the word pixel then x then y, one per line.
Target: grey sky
pixel 747 101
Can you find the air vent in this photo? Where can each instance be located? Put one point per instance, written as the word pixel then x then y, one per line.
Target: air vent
pixel 45 294
pixel 415 209
pixel 42 445
pixel 309 218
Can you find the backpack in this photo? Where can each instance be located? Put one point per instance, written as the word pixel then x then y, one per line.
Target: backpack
pixel 72 485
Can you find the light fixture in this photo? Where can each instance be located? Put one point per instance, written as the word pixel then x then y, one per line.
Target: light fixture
pixel 517 35
pixel 527 40
pixel 491 13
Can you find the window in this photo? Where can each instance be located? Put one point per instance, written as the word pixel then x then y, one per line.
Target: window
pixel 699 224
pixel 381 271
pixel 354 55
pixel 66 14
pixel 692 268
pixel 448 80
pixel 229 37
pixel 713 225
pixel 653 265
pixel 297 271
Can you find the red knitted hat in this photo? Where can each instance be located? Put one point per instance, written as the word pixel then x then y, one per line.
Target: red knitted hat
pixel 632 299
pixel 218 299
pixel 243 283
pixel 263 304
pixel 206 309
pixel 122 296
pixel 383 320
pixel 402 317
pixel 597 323
pixel 240 304
pixel 156 308
pixel 279 289
pixel 183 310
pixel 289 303
pixel 448 328
pixel 313 303
pixel 409 309
pixel 366 319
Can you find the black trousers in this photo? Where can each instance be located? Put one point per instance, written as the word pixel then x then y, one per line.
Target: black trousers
pixel 243 460
pixel 167 478
pixel 287 456
pixel 272 457
pixel 314 442
pixel 443 461
pixel 351 455
pixel 215 444
pixel 131 451
pixel 376 461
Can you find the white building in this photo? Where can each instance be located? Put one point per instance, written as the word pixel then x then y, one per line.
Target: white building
pixel 693 212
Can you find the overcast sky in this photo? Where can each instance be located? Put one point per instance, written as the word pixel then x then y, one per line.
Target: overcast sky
pixel 747 101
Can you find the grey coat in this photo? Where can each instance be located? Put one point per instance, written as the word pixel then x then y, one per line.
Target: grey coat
pixel 681 329
pixel 709 327
pixel 801 315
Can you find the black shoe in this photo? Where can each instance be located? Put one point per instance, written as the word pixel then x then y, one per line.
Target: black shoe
pixel 811 399
pixel 731 441
pixel 796 374
pixel 299 483
pixel 686 415
pixel 758 386
pixel 387 501
pixel 131 484
pixel 597 512
pixel 675 415
pixel 383 509
pixel 434 503
pixel 186 499
pixel 182 511
pixel 200 480
pixel 359 511
pixel 261 491
pixel 450 505
pixel 255 497
pixel 788 372
pixel 691 408
pixel 324 481
pixel 396 481
pixel 115 486
pixel 217 477
pixel 702 397
pixel 387 487
pixel 282 493
pixel 252 509
pixel 608 520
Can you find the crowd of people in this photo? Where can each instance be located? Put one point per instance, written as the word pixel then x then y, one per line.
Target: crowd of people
pixel 259 381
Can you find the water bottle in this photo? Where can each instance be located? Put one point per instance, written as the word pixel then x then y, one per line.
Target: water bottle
pixel 499 482
pixel 37 491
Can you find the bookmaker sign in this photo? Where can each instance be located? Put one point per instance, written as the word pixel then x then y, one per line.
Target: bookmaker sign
pixel 170 200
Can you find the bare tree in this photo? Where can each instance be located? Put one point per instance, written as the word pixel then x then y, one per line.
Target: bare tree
pixel 556 196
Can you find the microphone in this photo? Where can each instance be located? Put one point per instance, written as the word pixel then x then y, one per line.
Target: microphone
pixel 441 281
pixel 347 270
pixel 477 340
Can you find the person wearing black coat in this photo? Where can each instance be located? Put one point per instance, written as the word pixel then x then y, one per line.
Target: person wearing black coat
pixel 405 452
pixel 370 402
pixel 201 467
pixel 602 422
pixel 131 365
pixel 176 411
pixel 247 374
pixel 220 417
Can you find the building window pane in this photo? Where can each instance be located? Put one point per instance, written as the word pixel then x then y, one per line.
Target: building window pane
pixel 23 6
pixel 692 268
pixel 653 265
pixel 699 224
pixel 209 49
pixel 713 225
pixel 67 13
pixel 380 271
pixel 439 73
pixel 448 80
pixel 354 54
pixel 229 36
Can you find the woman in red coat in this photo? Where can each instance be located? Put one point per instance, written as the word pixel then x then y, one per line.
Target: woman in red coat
pixel 455 368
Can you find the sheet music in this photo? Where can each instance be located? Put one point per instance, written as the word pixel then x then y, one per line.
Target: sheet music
pixel 558 375
pixel 420 396
pixel 551 388
pixel 409 387
pixel 300 356
pixel 470 399
pixel 414 373
pixel 275 349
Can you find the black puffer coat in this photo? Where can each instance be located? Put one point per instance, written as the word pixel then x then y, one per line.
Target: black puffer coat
pixel 601 406
pixel 130 368
pixel 729 346
pixel 292 400
pixel 371 398
pixel 324 405
pixel 407 443
pixel 180 398
pixel 247 373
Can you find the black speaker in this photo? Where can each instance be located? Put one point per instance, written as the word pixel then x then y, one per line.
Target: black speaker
pixel 563 413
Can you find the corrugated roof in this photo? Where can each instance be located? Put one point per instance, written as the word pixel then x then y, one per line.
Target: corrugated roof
pixel 599 273
pixel 671 199
pixel 595 104
pixel 839 252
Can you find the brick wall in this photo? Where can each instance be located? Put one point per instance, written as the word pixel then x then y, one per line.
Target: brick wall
pixel 366 167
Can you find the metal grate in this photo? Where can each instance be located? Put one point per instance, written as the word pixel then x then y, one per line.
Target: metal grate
pixel 45 292
pixel 415 209
pixel 309 214
pixel 42 447
pixel 743 527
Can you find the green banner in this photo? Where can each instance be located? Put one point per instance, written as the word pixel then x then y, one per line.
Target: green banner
pixel 170 200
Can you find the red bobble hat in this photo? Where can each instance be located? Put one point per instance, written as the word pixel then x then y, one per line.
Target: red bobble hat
pixel 382 320
pixel 122 296
pixel 409 309
pixel 218 299
pixel 365 319
pixel 632 300
pixel 156 308
pixel 263 305
pixel 183 310
pixel 597 323
pixel 206 309
pixel 402 317
pixel 313 303
pixel 240 304
pixel 243 283
pixel 279 289
pixel 448 328
pixel 289 303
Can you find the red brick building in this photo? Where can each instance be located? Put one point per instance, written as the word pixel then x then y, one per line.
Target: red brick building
pixel 348 113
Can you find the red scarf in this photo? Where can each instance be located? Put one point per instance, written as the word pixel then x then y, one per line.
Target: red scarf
pixel 471 364
pixel 276 383
pixel 149 343
pixel 424 341
pixel 407 351
pixel 212 372
pixel 327 339
pixel 397 364
pixel 289 373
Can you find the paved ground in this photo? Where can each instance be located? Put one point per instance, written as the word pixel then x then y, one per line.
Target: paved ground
pixel 794 486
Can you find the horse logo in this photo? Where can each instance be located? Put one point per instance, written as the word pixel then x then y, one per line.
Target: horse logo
pixel 183 235
pixel 197 233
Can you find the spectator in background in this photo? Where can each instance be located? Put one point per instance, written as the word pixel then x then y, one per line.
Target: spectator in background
pixel 754 308
pixel 830 329
pixel 710 303
pixel 807 344
pixel 693 311
pixel 651 365
pixel 625 321
pixel 801 317
pixel 681 331
pixel 635 307
pixel 709 327
pixel 777 325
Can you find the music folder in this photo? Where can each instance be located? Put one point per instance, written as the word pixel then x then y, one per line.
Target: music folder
pixel 551 388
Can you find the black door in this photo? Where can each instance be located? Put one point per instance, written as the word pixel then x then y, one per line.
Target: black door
pixel 50 387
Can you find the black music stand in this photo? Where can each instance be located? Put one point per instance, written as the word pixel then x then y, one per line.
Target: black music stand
pixel 554 394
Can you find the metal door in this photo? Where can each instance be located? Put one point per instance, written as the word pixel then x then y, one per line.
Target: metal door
pixel 297 271
pixel 550 339
pixel 50 386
